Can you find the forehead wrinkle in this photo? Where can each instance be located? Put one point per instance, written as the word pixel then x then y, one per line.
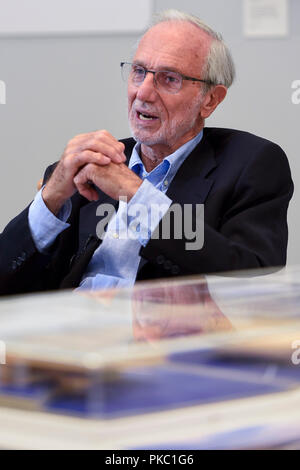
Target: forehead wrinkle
pixel 178 45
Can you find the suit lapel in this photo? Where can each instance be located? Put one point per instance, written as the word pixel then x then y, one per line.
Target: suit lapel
pixel 191 183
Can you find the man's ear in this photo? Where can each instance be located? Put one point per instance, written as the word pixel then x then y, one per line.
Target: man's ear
pixel 212 99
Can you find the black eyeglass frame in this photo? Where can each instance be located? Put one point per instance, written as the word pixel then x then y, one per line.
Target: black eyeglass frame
pixel 183 77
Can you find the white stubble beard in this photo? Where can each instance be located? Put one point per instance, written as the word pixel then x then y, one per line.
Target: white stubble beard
pixel 176 129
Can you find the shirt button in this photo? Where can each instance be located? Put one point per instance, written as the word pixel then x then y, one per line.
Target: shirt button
pixel 166 182
pixel 175 269
pixel 160 259
pixel 167 264
pixel 115 235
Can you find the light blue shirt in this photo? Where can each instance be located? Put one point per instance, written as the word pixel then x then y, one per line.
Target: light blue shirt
pixel 116 260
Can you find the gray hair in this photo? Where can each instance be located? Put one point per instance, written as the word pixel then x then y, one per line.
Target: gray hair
pixel 219 67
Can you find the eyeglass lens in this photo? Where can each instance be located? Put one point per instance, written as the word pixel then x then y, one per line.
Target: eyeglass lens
pixel 166 80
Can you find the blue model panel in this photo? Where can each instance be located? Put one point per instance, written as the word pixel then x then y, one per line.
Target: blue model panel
pixel 34 392
pixel 260 367
pixel 157 388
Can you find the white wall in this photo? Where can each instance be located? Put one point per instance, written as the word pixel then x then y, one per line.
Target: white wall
pixel 73 16
pixel 63 85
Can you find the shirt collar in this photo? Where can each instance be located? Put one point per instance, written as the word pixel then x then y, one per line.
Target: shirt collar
pixel 171 161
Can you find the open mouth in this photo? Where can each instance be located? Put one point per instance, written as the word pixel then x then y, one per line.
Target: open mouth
pixel 146 117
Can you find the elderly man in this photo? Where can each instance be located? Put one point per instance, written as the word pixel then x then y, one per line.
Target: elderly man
pixel 179 74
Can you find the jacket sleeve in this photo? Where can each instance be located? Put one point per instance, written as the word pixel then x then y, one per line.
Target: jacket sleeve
pixel 22 267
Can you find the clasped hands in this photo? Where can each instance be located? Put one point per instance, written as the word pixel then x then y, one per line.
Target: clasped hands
pixel 97 158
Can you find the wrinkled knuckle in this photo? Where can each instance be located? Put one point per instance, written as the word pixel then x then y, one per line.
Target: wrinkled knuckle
pixel 67 161
pixel 68 153
pixel 73 156
pixel 94 140
pixel 86 153
pixel 73 141
pixel 86 169
pixel 103 132
pixel 70 150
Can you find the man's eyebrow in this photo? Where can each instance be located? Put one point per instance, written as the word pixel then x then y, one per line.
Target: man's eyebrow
pixel 162 67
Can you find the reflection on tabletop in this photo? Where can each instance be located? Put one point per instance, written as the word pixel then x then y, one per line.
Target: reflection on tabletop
pixel 173 310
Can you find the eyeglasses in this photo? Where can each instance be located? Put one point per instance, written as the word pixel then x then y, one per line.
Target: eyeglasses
pixel 165 80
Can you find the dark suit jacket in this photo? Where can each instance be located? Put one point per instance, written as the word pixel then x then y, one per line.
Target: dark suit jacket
pixel 244 182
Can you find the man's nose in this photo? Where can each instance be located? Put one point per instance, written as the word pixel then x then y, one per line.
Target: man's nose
pixel 147 90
